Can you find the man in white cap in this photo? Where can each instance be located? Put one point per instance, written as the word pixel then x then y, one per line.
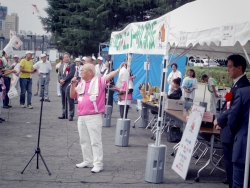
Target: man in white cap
pixel 83 60
pixel 16 67
pixel 100 67
pixel 93 60
pixel 78 67
pixel 26 69
pixel 44 68
pixel 58 87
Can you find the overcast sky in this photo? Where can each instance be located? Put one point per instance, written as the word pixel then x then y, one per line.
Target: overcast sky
pixel 27 20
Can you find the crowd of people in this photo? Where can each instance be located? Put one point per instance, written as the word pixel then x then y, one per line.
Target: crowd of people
pixel 234 118
pixel 85 82
pixel 16 72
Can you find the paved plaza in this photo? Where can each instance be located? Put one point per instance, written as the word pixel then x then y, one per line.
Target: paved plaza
pixel 123 166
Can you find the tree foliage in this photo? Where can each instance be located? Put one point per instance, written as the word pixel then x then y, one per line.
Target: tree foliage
pixel 78 26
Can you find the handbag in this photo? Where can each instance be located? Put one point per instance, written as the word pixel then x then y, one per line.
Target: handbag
pixel 12 92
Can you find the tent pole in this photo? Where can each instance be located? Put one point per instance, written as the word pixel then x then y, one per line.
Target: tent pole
pixel 246 55
pixel 110 67
pixel 146 83
pixel 162 100
pixel 246 174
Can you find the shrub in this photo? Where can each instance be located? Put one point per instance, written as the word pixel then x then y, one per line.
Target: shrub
pixel 218 73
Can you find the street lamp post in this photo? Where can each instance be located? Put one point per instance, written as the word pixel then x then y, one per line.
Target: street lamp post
pixel 2 43
pixel 43 44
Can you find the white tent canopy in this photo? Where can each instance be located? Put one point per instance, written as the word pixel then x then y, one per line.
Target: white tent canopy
pixel 200 26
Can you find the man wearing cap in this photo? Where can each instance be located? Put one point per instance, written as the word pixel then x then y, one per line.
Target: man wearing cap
pixel 93 60
pixel 66 73
pixel 83 60
pixel 16 67
pixel 44 68
pixel 57 71
pixel 78 67
pixel 99 68
pixel 7 78
pixel 26 69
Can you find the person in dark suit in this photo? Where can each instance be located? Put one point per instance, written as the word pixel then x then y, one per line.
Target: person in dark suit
pixel 108 69
pixel 66 73
pixel 236 68
pixel 238 120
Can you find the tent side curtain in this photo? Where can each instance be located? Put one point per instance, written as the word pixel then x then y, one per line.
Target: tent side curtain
pixel 154 74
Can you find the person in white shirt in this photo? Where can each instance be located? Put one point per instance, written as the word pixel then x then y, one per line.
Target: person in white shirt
pixel 57 71
pixel 174 74
pixel 100 67
pixel 44 68
pixel 213 89
pixel 189 86
pixel 78 67
pixel 16 67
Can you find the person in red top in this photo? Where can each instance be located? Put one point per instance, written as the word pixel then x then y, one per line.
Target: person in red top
pixel 90 93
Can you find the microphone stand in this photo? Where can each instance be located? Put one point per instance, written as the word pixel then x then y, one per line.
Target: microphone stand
pixel 38 150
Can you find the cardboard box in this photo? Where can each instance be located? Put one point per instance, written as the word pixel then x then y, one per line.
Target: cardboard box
pixel 171 104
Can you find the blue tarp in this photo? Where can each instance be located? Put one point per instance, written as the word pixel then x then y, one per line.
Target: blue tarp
pixel 154 74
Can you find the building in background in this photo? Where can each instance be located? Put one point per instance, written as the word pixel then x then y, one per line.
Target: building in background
pixel 10 23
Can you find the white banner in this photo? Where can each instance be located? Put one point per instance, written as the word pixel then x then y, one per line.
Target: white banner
pixel 16 42
pixel 142 37
pixel 8 49
pixel 185 150
pixel 14 80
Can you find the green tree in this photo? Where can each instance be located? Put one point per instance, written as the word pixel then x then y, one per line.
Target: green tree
pixel 78 26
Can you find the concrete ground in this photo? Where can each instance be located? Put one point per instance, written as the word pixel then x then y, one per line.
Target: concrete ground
pixel 123 166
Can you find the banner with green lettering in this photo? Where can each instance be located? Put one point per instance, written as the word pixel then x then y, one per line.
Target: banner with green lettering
pixel 141 37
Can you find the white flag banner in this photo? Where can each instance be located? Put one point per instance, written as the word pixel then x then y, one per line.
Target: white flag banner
pixel 16 42
pixel 14 80
pixel 141 37
pixel 12 34
pixel 8 49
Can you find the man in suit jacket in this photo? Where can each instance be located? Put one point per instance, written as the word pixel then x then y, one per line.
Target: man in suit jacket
pixel 66 73
pixel 236 68
pixel 238 120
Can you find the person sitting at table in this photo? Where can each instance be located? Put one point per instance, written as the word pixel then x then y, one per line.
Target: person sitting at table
pixel 189 86
pixel 177 93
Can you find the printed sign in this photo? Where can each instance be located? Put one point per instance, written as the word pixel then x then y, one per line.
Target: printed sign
pixel 183 39
pixel 16 42
pixel 146 65
pixel 185 151
pixel 142 37
pixel 227 35
pixel 208 117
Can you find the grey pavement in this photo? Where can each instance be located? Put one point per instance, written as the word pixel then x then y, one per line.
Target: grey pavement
pixel 123 166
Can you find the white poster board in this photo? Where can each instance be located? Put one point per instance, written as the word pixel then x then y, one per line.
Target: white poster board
pixel 183 39
pixel 146 65
pixel 185 151
pixel 227 35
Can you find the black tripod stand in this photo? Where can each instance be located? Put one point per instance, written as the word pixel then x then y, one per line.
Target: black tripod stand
pixel 38 150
